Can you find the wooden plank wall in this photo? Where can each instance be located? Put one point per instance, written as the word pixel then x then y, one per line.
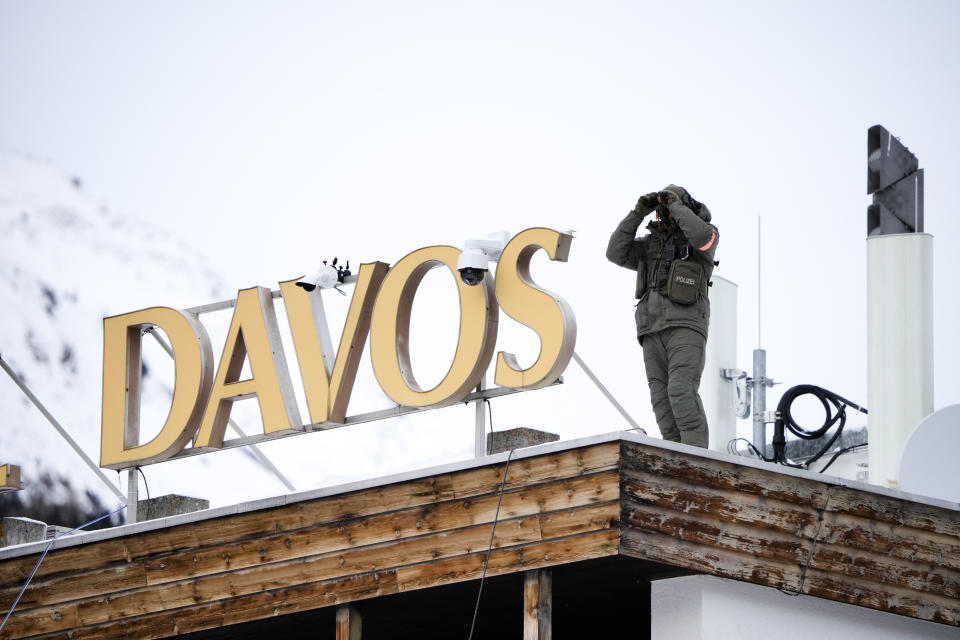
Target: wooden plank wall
pixel 795 534
pixel 556 508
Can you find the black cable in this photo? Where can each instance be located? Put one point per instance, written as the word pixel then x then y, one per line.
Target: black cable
pixel 840 453
pixel 490 413
pixel 813 546
pixel 496 515
pixel 147 487
pixel 834 407
pixel 732 448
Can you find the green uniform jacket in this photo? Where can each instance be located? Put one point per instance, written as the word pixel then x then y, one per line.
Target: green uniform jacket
pixel 656 311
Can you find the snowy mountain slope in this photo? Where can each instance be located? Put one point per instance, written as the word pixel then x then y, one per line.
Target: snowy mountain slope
pixel 66 261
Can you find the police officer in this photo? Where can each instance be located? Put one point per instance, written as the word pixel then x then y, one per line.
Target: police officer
pixel 674 262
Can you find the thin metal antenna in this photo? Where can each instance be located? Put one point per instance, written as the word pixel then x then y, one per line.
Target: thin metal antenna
pixel 760 381
pixel 759 288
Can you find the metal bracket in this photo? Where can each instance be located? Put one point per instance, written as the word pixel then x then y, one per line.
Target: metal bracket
pixel 609 396
pixel 733 374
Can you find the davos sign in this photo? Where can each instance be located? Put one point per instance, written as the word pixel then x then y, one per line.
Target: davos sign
pixel 380 308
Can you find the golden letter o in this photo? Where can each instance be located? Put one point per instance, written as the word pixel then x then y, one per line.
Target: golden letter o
pixel 390 331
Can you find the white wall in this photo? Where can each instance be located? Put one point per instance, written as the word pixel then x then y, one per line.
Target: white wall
pixel 710 608
pixel 717 394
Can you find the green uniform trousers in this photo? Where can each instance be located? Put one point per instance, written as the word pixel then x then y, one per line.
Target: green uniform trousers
pixel 674 360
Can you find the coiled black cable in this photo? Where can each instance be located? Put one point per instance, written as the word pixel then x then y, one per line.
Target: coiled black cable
pixel 835 409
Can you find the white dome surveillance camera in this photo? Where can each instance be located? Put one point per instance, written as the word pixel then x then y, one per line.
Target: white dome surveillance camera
pixel 472 265
pixel 475 259
pixel 325 277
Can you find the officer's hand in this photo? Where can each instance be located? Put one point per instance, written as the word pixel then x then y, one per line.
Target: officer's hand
pixel 646 204
pixel 667 198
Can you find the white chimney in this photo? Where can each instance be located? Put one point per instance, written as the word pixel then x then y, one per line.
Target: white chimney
pixel 899 346
pixel 899 303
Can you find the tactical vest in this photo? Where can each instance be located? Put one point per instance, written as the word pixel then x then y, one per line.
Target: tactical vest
pixel 671 267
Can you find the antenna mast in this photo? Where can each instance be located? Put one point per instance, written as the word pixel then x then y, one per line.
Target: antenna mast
pixel 759 288
pixel 760 381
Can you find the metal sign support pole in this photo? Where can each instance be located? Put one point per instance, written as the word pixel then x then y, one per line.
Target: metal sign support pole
pixel 133 494
pixel 760 401
pixel 480 424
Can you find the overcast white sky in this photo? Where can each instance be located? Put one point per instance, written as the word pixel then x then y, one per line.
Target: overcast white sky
pixel 275 134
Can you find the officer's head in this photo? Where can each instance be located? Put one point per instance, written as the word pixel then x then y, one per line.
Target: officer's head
pixel 687 200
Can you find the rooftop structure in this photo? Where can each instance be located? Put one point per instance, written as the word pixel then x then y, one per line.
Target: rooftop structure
pixel 580 530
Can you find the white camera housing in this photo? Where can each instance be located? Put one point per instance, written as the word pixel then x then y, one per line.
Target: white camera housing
pixel 477 254
pixel 325 278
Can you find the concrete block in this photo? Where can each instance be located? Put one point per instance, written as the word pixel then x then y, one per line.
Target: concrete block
pixel 169 505
pixel 21 530
pixel 55 531
pixel 517 438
